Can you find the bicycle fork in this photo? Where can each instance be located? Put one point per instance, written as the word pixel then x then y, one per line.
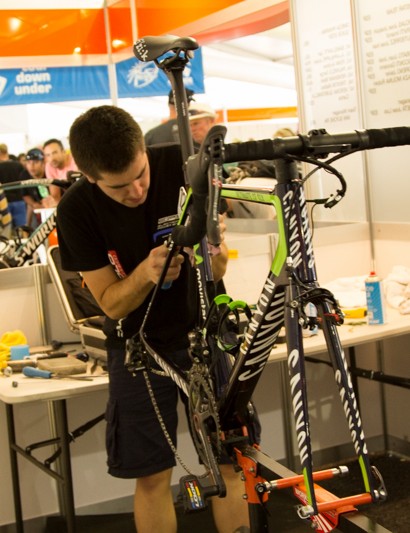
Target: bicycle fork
pixel 316 502
pixel 347 394
pixel 302 289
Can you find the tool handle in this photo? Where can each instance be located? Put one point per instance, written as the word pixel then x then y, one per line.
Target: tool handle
pixel 31 372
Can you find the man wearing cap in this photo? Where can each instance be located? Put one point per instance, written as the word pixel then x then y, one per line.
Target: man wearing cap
pixel 10 171
pixel 201 118
pixel 167 132
pixel 42 196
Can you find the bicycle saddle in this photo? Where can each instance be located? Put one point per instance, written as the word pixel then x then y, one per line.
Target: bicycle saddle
pixel 152 47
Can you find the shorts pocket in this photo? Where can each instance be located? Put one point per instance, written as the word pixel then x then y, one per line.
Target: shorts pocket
pixel 111 436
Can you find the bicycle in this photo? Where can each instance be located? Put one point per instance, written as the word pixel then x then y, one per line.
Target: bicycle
pixel 21 251
pixel 226 367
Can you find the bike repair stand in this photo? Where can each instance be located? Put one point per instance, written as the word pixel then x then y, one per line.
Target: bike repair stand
pixel 258 467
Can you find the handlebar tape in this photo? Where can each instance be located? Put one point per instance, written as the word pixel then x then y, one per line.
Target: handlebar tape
pixel 195 231
pixel 317 142
pixel 203 214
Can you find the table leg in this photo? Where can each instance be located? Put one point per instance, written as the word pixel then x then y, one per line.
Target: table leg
pixel 380 361
pixel 65 489
pixel 14 469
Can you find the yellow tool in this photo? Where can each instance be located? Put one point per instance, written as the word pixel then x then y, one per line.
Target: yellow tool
pixel 355 312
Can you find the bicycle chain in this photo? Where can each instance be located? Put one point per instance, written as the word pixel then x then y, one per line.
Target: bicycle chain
pixel 162 423
pixel 200 391
pixel 194 378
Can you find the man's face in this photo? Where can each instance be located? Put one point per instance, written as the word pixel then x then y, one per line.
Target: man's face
pixel 200 127
pixel 55 155
pixel 129 188
pixel 36 168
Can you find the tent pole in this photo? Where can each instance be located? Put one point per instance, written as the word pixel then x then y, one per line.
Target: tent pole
pixel 112 76
pixel 134 20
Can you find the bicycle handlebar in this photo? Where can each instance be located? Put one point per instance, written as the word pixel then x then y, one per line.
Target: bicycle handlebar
pixel 72 176
pixel 317 144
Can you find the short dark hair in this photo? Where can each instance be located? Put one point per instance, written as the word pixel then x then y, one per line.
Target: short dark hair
pixel 52 141
pixel 105 139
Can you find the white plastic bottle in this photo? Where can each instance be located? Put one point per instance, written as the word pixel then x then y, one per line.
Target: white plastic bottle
pixel 376 313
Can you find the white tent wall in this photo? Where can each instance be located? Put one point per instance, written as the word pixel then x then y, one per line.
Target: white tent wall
pixel 14 128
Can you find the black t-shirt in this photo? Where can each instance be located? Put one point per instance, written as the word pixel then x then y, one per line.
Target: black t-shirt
pixel 94 231
pixel 164 133
pixel 33 192
pixel 10 171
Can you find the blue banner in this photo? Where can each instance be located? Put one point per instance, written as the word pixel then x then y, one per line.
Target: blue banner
pixel 56 84
pixel 135 78
pixel 61 84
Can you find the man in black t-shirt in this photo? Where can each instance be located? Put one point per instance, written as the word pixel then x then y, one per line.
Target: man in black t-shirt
pixel 110 226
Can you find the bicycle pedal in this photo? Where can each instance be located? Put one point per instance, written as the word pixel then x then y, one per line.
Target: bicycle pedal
pixel 193 495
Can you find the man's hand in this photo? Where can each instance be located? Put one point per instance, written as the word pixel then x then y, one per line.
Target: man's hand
pixel 156 261
pixel 118 297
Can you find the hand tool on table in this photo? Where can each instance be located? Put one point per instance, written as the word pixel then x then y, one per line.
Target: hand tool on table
pixel 31 372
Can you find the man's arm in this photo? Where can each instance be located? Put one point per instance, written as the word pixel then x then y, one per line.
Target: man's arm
pixel 31 202
pixel 220 261
pixel 117 298
pixel 55 195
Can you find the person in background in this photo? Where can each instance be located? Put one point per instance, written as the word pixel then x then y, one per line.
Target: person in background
pixel 10 171
pixel 58 161
pixel 22 158
pixel 42 196
pixel 5 216
pixel 201 118
pixel 284 132
pixel 110 225
pixel 167 132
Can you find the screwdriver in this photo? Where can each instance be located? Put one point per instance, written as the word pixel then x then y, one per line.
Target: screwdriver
pixel 31 372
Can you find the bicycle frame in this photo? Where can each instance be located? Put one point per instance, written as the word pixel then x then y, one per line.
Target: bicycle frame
pixel 290 285
pixel 23 254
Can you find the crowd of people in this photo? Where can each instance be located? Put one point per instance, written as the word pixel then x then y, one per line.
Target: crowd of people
pixel 21 207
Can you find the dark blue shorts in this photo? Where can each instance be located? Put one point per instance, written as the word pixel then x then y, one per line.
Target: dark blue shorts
pixel 136 445
pixel 135 441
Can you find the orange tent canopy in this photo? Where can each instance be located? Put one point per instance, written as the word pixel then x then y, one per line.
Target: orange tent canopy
pixel 68 31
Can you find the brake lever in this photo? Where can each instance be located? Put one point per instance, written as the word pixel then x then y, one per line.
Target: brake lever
pixel 216 149
pixel 200 171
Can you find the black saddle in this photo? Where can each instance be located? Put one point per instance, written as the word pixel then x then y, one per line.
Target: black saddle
pixel 152 47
